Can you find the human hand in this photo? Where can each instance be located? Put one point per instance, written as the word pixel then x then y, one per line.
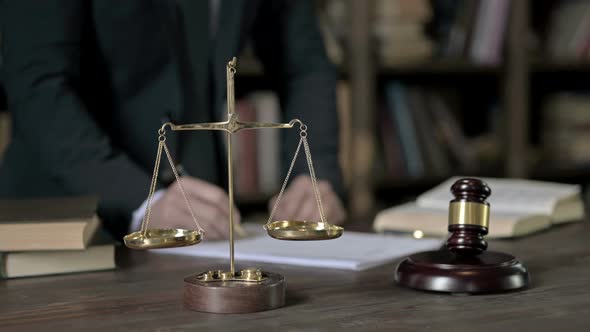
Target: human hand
pixel 209 202
pixel 299 202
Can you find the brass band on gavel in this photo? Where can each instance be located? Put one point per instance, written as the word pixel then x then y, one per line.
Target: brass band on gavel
pixel 469 213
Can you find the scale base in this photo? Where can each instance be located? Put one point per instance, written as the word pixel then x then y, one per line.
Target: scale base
pixel 234 296
pixel 444 271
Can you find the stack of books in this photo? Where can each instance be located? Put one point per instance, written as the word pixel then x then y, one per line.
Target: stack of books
pixel 399 28
pixel 52 236
pixel 565 136
pixel 421 135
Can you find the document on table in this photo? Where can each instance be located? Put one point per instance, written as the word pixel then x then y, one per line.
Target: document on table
pixel 352 251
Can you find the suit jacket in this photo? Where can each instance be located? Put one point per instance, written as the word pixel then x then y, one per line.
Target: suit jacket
pixel 90 82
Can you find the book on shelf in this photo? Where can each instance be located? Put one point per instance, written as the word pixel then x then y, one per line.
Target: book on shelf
pixel 405 127
pixel 565 135
pixel 441 24
pixel 268 143
pixel 434 154
pixel 517 208
pixel 472 29
pixel 256 152
pixel 393 160
pixel 568 35
pixel 419 131
pixel 462 15
pixel 47 224
pixel 100 255
pixel 490 31
pixel 449 132
pixel 247 151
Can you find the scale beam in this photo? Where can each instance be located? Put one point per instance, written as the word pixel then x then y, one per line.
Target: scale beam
pixel 231 126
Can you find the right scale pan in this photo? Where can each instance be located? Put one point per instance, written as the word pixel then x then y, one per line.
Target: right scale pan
pixel 298 230
pixel 302 230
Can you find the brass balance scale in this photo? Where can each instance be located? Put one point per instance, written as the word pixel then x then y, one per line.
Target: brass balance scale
pixel 247 290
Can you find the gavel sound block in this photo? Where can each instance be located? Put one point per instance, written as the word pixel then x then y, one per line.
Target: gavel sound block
pixel 464 265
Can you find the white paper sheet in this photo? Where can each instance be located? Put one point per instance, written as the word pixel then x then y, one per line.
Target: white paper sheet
pixel 352 251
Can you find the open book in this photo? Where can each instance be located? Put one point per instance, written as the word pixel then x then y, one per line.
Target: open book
pixel 517 207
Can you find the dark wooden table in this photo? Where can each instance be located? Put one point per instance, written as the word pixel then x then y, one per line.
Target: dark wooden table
pixel 145 294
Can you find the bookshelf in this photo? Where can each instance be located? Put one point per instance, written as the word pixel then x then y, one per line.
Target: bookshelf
pixel 515 81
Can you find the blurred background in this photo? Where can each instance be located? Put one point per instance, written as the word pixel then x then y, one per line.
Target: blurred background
pixel 430 89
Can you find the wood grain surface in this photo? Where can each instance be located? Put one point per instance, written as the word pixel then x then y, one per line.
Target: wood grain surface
pixel 145 294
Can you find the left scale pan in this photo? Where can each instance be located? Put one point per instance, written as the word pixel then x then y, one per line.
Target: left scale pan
pixel 162 238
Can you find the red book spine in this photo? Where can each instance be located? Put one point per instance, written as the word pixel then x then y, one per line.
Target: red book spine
pixel 247 155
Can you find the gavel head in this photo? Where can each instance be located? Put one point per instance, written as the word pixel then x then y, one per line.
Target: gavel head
pixel 469 215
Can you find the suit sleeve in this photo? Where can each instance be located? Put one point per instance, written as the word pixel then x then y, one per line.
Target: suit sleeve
pixel 288 42
pixel 41 74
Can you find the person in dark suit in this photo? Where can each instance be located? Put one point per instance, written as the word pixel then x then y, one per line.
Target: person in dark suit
pixel 90 82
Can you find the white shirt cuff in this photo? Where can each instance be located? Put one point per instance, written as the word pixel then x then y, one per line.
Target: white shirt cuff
pixel 138 214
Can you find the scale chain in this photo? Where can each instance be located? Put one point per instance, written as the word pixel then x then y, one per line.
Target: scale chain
pixel 186 201
pixel 274 208
pixel 163 146
pixel 302 141
pixel 314 180
pixel 148 208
